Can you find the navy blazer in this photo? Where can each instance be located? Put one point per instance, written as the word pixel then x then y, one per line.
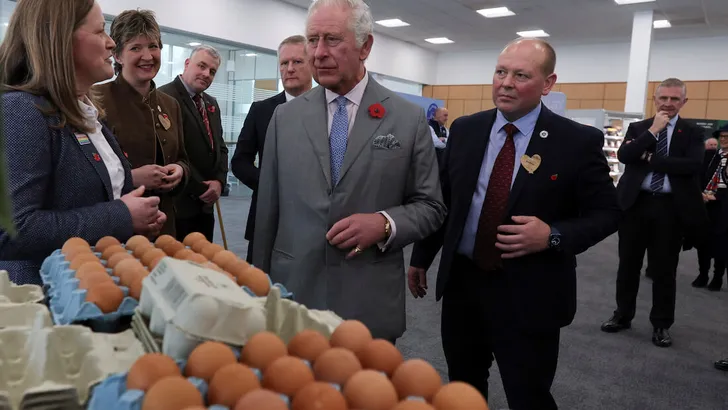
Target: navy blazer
pixel 58 188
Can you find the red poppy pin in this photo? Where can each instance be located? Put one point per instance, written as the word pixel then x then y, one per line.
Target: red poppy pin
pixel 126 155
pixel 554 177
pixel 377 110
pixel 211 108
pixel 97 157
pixel 166 117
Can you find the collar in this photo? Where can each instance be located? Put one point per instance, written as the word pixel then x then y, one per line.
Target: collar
pixel 355 95
pixel 289 97
pixel 673 121
pixel 189 90
pixel 125 84
pixel 525 124
pixel 89 111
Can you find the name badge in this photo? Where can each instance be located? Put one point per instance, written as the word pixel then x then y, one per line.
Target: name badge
pixel 82 139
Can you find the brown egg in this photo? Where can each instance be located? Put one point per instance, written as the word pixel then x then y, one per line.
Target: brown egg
pixel 256 280
pixel 198 245
pixel 213 266
pixel 371 390
pixel 106 295
pixel 116 258
pixel 197 258
pixel 412 405
pixel 150 255
pixel 380 354
pixel 230 383
pixel 195 408
pixel 135 287
pixel 135 241
pixel 207 358
pixel 308 345
pixel 112 250
pixel 82 258
pixel 172 393
pixel 262 349
pixel 225 259
pixel 210 250
pixel 287 375
pixel 261 399
pixel 352 335
pixel 74 243
pixel 172 248
pixel 90 277
pixel 105 242
pixel 140 250
pixel 163 240
pixel 336 365
pixel 182 254
pixel 319 396
pixel 459 396
pixel 148 369
pixel 72 252
pixel 129 269
pixel 193 237
pixel 153 264
pixel 418 378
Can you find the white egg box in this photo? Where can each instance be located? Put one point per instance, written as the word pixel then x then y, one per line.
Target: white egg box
pixel 185 304
pixel 45 367
pixel 12 293
pixel 24 315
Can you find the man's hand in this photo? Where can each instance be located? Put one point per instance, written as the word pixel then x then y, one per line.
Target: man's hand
pixel 530 235
pixel 708 197
pixel 362 230
pixel 659 123
pixel 150 176
pixel 214 190
pixel 174 176
pixel 417 281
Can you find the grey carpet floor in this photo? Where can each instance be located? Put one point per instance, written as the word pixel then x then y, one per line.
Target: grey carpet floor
pixel 596 370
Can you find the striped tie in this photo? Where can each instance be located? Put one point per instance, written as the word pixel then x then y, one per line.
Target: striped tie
pixel 658 178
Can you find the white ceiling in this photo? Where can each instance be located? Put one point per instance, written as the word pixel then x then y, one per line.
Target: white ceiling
pixel 567 21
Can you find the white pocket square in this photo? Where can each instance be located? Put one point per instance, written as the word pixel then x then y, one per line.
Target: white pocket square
pixel 386 142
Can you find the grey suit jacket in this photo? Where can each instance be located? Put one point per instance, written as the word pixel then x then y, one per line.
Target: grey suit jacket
pixel 297 205
pixel 59 188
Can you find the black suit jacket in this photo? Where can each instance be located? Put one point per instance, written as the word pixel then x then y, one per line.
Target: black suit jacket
pixel 250 143
pixel 571 190
pixel 683 166
pixel 207 162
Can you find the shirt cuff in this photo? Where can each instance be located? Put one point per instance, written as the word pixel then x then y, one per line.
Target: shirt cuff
pixel 384 245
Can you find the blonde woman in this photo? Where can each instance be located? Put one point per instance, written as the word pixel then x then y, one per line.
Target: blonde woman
pixel 147 123
pixel 67 175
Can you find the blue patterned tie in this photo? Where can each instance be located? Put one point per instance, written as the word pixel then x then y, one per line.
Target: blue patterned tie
pixel 658 178
pixel 337 139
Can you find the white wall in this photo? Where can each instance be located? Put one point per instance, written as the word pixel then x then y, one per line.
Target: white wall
pixel 264 23
pixel 690 60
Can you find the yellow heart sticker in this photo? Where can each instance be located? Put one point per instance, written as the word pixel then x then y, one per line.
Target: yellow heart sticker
pixel 531 163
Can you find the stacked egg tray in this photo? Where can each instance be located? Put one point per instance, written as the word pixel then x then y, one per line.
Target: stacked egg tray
pixel 42 366
pixel 68 303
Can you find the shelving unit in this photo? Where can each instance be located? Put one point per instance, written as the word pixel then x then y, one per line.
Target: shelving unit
pixel 614 125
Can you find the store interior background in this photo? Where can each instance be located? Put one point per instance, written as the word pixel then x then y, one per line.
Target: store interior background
pixel 592 39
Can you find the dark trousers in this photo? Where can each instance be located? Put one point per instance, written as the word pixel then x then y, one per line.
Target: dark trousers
pixel 706 256
pixel 714 247
pixel 650 225
pixel 203 223
pixel 474 333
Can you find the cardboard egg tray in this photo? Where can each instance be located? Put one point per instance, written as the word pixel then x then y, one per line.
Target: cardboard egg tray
pixel 68 302
pixel 112 394
pixel 12 293
pixel 47 367
pixel 181 307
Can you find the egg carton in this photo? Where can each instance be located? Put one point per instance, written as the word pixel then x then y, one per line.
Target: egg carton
pixel 112 394
pixel 68 303
pixel 44 367
pixel 186 304
pixel 24 315
pixel 12 293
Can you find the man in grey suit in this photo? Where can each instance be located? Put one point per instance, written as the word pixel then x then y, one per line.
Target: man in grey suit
pixel 349 178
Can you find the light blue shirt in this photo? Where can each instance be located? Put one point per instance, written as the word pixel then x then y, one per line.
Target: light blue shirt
pixel 666 187
pixel 525 125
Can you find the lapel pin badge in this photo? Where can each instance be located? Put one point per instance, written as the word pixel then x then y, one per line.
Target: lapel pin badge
pixel 544 134
pixel 554 177
pixel 97 157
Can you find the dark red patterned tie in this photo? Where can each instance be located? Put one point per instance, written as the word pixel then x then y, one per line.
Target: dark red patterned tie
pixel 203 113
pixel 485 255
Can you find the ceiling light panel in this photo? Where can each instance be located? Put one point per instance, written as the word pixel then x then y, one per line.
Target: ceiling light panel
pixel 496 12
pixel 533 33
pixel 392 23
pixel 439 40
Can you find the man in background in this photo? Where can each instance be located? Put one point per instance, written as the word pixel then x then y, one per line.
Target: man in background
pixel 206 150
pixel 660 195
pixel 296 77
pixel 439 131
pixel 711 144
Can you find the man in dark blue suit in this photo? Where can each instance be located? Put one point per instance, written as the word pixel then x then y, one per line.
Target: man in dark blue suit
pixel 524 198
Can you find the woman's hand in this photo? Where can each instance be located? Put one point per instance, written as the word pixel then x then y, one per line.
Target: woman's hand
pixel 172 178
pixel 150 176
pixel 144 211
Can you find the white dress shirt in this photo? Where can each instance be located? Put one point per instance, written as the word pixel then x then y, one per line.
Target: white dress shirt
pixel 435 139
pixel 107 154
pixel 666 187
pixel 353 102
pixel 289 97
